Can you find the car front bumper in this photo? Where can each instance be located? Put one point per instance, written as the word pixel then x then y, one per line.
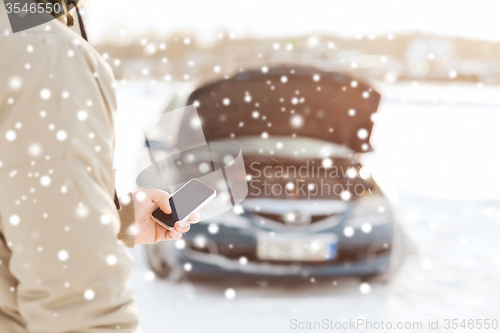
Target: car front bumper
pixel 213 264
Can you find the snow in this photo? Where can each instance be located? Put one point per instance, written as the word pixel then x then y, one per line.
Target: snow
pixel 10 135
pixel 14 220
pixel 45 93
pixel 111 260
pixel 435 155
pixel 89 294
pixel 61 135
pixel 63 255
pixel 45 180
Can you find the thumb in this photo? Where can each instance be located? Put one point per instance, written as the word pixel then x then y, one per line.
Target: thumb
pixel 164 203
pixel 160 198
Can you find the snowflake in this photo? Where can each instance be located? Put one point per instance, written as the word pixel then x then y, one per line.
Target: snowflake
pixel 217 69
pixel 345 195
pixel 362 133
pixel 364 173
pixel 15 83
pixel 264 135
pixel 45 93
pixel 213 228
pixel 10 135
pixel 366 228
pixel 230 293
pixel 14 220
pixel 149 276
pixel 180 244
pixel 327 163
pixel 61 135
pixel 188 266
pixel 82 115
pixel 204 167
pixel 243 260
pixel 140 196
pixel 238 209
pixel 89 294
pixel 284 79
pixel 364 288
pixel 226 101
pixel 348 232
pixel 351 173
pixel 82 211
pixel 111 260
pixel 45 180
pixel 316 77
pixel 63 255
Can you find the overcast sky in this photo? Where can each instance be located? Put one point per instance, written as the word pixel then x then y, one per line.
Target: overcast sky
pixel 270 18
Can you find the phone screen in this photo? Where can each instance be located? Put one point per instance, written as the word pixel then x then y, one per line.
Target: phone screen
pixel 184 201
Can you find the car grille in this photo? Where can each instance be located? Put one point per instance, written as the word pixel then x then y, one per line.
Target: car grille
pixel 281 219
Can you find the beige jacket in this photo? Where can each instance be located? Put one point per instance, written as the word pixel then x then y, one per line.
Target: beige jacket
pixel 62 268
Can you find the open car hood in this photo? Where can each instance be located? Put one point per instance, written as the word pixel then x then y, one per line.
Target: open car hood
pixel 288 101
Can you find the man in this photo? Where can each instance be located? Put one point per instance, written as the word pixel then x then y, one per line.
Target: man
pixel 62 266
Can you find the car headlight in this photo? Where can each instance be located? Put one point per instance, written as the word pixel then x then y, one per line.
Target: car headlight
pixel 370 211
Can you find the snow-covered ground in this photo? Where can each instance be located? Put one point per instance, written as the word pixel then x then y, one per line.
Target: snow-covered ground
pixel 437 148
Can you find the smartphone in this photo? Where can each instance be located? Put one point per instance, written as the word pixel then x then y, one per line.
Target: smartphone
pixel 189 199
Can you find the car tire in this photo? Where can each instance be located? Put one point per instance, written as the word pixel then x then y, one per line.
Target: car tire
pixel 157 261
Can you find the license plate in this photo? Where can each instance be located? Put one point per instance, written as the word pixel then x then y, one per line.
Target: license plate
pixel 321 247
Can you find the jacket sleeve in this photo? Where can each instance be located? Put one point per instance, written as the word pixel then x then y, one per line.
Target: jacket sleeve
pixel 127 220
pixel 56 193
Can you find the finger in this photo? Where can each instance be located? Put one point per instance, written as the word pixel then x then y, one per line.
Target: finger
pixel 175 234
pixel 162 234
pixel 181 226
pixel 194 218
pixel 160 198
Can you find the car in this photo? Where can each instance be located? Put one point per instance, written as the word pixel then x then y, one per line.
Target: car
pixel 312 209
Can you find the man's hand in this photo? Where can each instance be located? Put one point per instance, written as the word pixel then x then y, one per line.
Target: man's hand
pixel 148 231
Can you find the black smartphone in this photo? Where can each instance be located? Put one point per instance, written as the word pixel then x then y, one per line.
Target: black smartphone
pixel 190 198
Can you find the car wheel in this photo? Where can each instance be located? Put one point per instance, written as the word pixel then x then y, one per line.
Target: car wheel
pixel 157 261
